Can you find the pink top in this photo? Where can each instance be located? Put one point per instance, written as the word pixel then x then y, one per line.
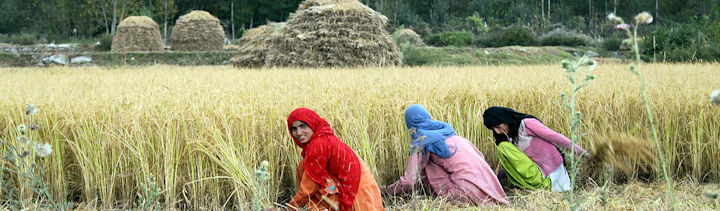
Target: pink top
pixel 465 176
pixel 542 149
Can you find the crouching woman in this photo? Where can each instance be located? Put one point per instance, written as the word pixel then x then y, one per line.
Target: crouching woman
pixel 331 175
pixel 447 165
pixel 527 150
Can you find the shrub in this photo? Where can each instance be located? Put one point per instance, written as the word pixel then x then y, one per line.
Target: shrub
pixel 561 37
pixel 514 35
pixel 612 43
pixel 477 23
pixel 416 56
pixel 4 38
pixel 671 37
pixel 682 43
pixel 709 54
pixel 235 42
pixel 455 38
pixel 105 42
pixel 42 40
pixel 23 39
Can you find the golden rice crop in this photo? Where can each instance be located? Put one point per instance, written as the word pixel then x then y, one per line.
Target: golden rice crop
pixel 202 131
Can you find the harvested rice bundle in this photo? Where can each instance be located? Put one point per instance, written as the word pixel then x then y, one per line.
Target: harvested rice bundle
pixel 623 157
pixel 197 31
pixel 407 35
pixel 137 33
pixel 333 33
pixel 254 45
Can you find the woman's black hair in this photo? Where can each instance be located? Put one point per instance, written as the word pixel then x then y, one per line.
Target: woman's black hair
pixel 496 115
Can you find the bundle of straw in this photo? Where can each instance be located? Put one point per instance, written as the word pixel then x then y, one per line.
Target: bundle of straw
pixel 197 31
pixel 137 33
pixel 333 33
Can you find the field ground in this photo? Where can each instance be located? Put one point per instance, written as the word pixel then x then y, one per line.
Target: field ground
pixel 630 196
pixel 202 130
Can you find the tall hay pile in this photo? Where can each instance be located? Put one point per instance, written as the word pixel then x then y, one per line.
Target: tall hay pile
pixel 333 33
pixel 197 31
pixel 254 45
pixel 137 33
pixel 407 35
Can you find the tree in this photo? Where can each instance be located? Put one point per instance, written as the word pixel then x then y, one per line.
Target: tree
pixel 590 15
pixel 114 19
pixel 169 10
pixel 542 8
pixel 657 11
pixel 548 8
pixel 232 19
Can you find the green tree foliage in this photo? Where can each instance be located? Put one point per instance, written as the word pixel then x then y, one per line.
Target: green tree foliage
pixel 454 38
pixel 64 19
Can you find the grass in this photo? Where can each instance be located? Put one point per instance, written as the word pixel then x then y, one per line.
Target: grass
pixel 461 56
pixel 201 131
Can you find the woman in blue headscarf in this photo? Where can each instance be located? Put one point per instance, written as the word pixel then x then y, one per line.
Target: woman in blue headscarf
pixel 446 164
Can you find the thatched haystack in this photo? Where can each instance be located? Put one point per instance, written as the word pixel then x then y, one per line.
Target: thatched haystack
pixel 254 45
pixel 197 31
pixel 333 33
pixel 407 35
pixel 137 33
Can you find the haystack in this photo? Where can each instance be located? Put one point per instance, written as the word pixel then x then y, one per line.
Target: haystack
pixel 254 45
pixel 197 31
pixel 333 33
pixel 137 33
pixel 407 36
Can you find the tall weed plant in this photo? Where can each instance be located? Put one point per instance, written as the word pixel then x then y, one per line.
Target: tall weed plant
pixel 645 18
pixel 574 74
pixel 22 175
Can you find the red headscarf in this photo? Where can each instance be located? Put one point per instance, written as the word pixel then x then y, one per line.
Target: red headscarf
pixel 326 157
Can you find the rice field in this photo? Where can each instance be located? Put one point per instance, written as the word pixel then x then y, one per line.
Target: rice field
pixel 202 131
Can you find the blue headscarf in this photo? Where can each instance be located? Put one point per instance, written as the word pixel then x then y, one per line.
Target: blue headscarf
pixel 435 132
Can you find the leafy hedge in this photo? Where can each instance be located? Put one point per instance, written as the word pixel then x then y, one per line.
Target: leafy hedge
pixel 514 35
pixel 451 38
pixel 684 43
pixel 562 37
pixel 23 39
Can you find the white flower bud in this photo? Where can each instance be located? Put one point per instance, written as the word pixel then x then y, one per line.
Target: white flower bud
pixel 644 18
pixel 43 150
pixel 30 109
pixel 613 18
pixel 715 97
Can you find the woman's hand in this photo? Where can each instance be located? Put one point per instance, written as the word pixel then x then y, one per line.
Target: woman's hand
pixel 383 189
pixel 585 156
